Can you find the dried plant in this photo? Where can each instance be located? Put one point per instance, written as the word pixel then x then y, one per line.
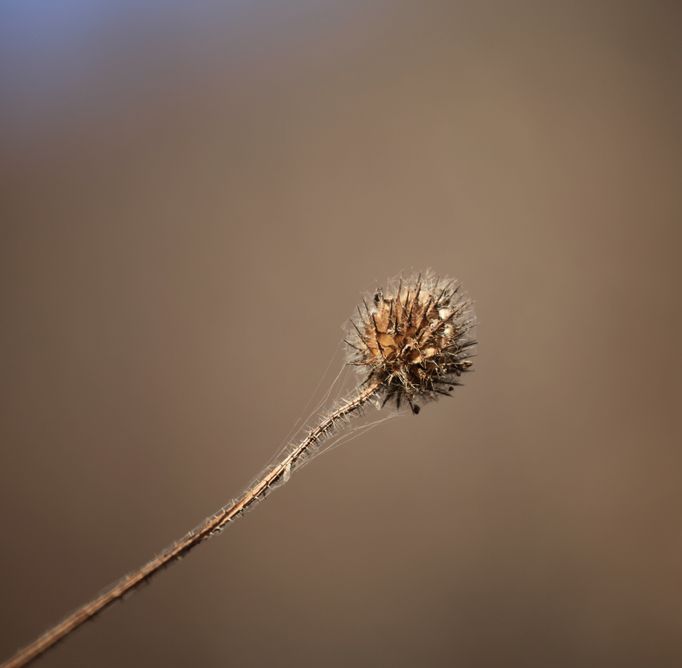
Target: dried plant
pixel 411 341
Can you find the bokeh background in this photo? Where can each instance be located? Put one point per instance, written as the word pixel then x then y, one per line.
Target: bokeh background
pixel 193 197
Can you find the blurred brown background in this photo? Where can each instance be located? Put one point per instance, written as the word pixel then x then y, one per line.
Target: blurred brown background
pixel 194 196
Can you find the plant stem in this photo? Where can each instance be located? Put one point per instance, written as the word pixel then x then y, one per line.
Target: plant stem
pixel 209 527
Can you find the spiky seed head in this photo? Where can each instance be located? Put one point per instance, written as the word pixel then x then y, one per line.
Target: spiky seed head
pixel 413 338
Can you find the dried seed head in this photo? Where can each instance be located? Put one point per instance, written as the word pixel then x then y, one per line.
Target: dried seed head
pixel 413 338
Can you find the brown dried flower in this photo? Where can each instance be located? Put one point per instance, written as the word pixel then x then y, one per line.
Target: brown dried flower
pixel 412 338
pixel 411 341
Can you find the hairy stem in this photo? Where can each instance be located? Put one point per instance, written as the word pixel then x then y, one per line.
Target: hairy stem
pixel 209 527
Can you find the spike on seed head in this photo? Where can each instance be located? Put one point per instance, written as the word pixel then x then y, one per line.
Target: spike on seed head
pixel 414 338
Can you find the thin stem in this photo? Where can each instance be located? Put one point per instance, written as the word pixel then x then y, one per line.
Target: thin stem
pixel 209 527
